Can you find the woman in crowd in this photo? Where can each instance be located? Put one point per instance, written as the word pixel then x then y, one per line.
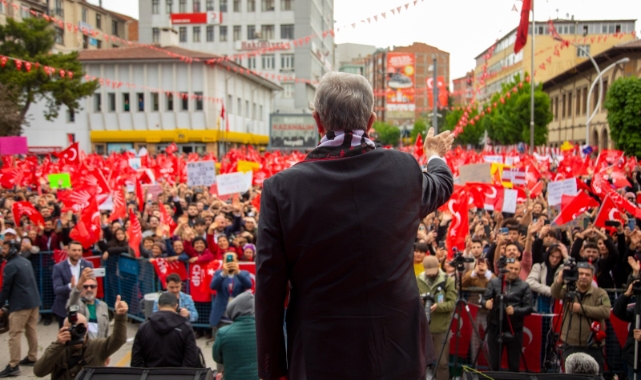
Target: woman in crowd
pixel 118 245
pixel 543 274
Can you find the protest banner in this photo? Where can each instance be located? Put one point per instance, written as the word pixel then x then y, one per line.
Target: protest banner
pixel 13 145
pixel 234 183
pixel 557 189
pixel 201 173
pixel 475 173
pixel 60 181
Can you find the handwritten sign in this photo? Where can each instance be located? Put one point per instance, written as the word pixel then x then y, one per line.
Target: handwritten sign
pixel 201 173
pixel 153 191
pixel 60 181
pixel 509 200
pixel 557 189
pixel 234 183
pixel 475 173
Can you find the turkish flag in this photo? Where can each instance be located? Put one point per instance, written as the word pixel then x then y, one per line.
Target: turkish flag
pixel 576 207
pixel 462 329
pixel 164 268
pixel 620 328
pixel 71 155
pixel 120 207
pixel 608 211
pixel 521 33
pixel 171 148
pixel 140 195
pixel 494 198
pixel 134 233
pixel 623 204
pixel 536 190
pixel 24 207
pixel 418 146
pixel 607 157
pixel 87 230
pixel 532 325
pixel 251 268
pixel 619 179
pixel 256 202
pixel 459 226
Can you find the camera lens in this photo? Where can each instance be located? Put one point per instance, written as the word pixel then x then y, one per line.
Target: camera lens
pixel 80 329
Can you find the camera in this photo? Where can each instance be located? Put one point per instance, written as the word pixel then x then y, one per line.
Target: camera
pixel 459 260
pixel 428 299
pixel 503 262
pixel 77 330
pixel 570 272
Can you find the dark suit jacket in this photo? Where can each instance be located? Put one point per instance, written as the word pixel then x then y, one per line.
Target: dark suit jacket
pixel 19 286
pixel 61 278
pixel 341 231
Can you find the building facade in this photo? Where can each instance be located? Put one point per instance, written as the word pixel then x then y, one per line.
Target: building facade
pixel 402 93
pixel 150 99
pixel 498 64
pixel 463 90
pixel 568 92
pixel 238 27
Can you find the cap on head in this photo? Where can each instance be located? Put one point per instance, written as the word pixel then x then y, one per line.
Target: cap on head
pixel 9 231
pixel 431 265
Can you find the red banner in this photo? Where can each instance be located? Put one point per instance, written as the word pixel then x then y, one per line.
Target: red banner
pixel 197 18
pixel 462 331
pixel 165 268
pixel 199 280
pixel 620 328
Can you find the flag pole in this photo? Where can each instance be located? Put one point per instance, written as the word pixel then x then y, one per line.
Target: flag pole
pixel 532 83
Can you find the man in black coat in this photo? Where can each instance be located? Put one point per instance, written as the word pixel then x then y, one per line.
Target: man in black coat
pixel 19 287
pixel 166 339
pixel 337 231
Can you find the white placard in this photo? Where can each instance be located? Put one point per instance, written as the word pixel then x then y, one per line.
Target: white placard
pixel 509 200
pixel 135 163
pixel 234 183
pixel 558 188
pixel 108 204
pixel 495 159
pixel 201 173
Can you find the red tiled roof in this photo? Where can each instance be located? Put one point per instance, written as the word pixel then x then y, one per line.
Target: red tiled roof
pixel 141 53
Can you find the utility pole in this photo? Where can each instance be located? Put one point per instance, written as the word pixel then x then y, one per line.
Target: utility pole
pixel 434 96
pixel 532 84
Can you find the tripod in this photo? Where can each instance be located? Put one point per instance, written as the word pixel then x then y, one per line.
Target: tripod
pixel 637 325
pixel 461 304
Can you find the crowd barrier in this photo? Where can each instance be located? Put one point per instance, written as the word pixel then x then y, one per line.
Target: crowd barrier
pixel 133 278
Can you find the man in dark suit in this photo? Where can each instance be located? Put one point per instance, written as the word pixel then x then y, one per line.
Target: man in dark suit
pixel 65 275
pixel 337 231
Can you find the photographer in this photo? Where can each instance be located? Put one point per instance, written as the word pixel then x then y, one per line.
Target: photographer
pixel 627 314
pixel 19 287
pixel 73 350
pixel 83 295
pixel 438 290
pixel 517 304
pixel 586 305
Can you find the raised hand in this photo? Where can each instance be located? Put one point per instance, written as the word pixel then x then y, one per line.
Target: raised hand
pixel 120 307
pixel 438 145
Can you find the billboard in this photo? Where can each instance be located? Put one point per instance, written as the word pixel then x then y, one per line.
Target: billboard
pixel 292 132
pixel 399 89
pixel 209 18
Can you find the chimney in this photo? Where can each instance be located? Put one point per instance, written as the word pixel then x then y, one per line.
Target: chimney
pixel 168 37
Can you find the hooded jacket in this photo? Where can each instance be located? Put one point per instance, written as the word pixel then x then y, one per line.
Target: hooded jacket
pixel 166 340
pixel 235 345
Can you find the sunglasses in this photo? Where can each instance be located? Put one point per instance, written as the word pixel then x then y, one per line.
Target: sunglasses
pixel 90 286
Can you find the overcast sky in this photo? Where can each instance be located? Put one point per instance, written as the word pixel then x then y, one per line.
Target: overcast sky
pixel 464 28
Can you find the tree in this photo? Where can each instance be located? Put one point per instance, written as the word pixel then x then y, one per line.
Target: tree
pixel 10 120
pixel 32 40
pixel 471 134
pixel 509 123
pixel 420 127
pixel 623 103
pixel 388 134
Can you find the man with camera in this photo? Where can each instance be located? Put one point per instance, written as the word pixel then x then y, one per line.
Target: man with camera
pixel 83 295
pixel 586 308
pixel 73 349
pixel 19 287
pixel 509 300
pixel 438 292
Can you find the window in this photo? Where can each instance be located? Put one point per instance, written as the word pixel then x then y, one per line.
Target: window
pixel 585 100
pixel 60 36
pixel 196 34
pixel 267 32
pixel 223 33
pixel 239 108
pixel 286 5
pixel 196 6
pixel 223 5
pixel 100 148
pixel 288 90
pixel 251 32
pixel 251 62
pixel 155 35
pixel 581 53
pixel 251 5
pixel 154 101
pixel 98 21
pixel 563 107
pixel 260 114
pixel 578 102
pixel 268 61
pixel 605 92
pixel 237 33
pixel 170 102
pixel 140 97
pixel 182 6
pixel 556 108
pixel 97 103
pixel 1 7
pixel 287 32
pixel 198 100
pixel 287 62
pixel 247 108
pixel 185 101
pixel 111 102
pixel 569 105
pixel 84 14
pixel 125 102
pixel 98 44
pixel 210 33
pixel 85 42
pixel 182 33
pixel 209 4
pixel 155 7
pixel 617 28
pixel 71 116
pixel 168 6
pixel 254 111
pixel 230 104
pixel 114 28
pixel 236 5
pixel 267 5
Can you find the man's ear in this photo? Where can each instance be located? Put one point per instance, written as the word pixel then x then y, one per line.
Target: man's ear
pixel 319 123
pixel 371 121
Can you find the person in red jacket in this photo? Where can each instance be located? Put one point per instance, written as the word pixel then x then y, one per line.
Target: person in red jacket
pixel 197 251
pixel 49 239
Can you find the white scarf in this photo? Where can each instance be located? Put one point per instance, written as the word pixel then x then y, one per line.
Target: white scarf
pixel 339 138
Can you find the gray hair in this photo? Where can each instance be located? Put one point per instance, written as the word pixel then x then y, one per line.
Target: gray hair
pixel 581 363
pixel 344 102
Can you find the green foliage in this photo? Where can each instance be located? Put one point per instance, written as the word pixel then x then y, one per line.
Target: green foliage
pixel 623 103
pixel 509 123
pixel 420 126
pixel 471 134
pixel 388 134
pixel 32 40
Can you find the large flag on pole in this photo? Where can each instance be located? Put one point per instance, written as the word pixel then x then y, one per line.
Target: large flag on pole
pixel 521 33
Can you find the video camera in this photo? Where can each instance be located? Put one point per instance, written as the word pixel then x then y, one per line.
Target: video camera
pixel 459 260
pixel 503 262
pixel 428 299
pixel 570 272
pixel 77 330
